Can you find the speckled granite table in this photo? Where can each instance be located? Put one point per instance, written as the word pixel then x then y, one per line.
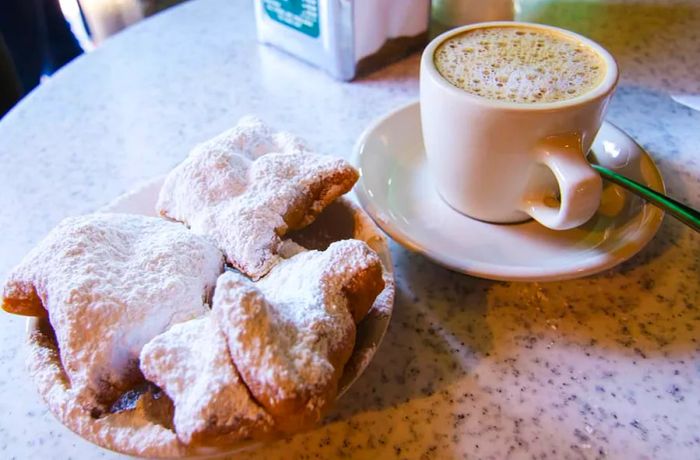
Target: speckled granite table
pixel 607 366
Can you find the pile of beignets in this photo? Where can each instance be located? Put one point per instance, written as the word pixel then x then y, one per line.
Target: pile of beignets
pixel 245 331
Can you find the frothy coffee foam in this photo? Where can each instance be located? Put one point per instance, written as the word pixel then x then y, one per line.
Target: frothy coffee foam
pixel 519 64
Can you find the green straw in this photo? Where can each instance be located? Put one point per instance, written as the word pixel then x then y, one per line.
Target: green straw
pixel 685 214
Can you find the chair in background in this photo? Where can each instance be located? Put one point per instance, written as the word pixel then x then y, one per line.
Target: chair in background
pixel 37 38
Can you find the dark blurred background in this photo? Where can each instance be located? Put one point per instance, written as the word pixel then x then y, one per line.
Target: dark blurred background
pixel 38 37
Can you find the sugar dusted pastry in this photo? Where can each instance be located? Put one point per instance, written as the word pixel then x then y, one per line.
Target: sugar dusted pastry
pixel 291 333
pixel 249 186
pixel 192 364
pixel 110 283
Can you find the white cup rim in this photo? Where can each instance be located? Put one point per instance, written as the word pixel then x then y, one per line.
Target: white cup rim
pixel 606 85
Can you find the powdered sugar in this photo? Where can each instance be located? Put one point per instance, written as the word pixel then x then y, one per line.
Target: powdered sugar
pixel 291 333
pixel 247 187
pixel 123 278
pixel 132 432
pixel 366 230
pixel 192 364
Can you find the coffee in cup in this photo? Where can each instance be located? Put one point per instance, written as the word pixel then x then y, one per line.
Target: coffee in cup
pixel 508 112
pixel 519 64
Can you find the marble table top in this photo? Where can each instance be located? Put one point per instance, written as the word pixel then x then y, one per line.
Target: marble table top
pixel 603 367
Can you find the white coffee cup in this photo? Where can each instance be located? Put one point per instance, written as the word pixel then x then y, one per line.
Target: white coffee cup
pixel 506 162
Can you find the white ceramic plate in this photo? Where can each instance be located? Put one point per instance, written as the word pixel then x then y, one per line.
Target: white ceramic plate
pixel 398 193
pixel 342 219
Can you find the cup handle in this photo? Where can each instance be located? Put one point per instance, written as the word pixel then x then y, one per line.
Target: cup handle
pixel 580 186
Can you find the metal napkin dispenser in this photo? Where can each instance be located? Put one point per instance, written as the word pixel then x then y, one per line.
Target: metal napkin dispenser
pixel 346 38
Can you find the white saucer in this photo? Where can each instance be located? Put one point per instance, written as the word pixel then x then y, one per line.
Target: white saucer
pixel 397 191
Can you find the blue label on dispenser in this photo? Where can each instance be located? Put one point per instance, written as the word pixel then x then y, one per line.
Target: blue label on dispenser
pixel 301 15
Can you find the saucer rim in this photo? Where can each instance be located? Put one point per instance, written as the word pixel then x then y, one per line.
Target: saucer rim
pixel 650 225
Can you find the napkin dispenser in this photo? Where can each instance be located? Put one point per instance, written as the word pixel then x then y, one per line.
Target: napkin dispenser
pixel 346 38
